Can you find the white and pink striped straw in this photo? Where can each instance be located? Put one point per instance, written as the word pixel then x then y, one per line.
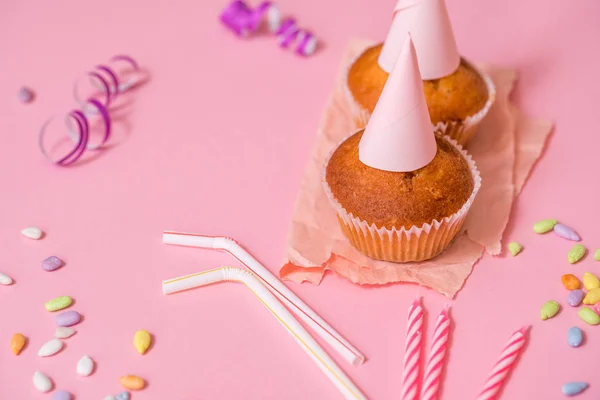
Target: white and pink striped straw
pixel 435 362
pixel 503 366
pixel 412 352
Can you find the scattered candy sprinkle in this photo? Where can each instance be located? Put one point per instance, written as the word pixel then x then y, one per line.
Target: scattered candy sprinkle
pixel 575 337
pixel 68 318
pixel 597 255
pixel 549 310
pixel 588 315
pixel 141 341
pixel 575 297
pixel 58 303
pixel 51 263
pixel 85 366
pixel 514 248
pixel 132 382
pixel 25 95
pixel 110 397
pixel 50 348
pixel 566 232
pixel 592 297
pixel 544 226
pixel 5 279
pixel 64 332
pixel 61 395
pixel 17 342
pixel 32 233
pixel 574 388
pixel 570 281
pixel 122 396
pixel 590 281
pixel 576 253
pixel 41 382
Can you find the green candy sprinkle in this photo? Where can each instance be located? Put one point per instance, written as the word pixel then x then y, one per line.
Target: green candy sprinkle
pixel 544 226
pixel 58 303
pixel 576 253
pixel 549 310
pixel 589 316
pixel 514 248
pixel 597 255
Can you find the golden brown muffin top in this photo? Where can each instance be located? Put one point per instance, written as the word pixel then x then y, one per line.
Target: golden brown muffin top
pixel 451 98
pixel 399 199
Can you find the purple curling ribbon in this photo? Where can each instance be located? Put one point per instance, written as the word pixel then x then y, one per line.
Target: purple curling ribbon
pixel 307 43
pixel 242 20
pixel 287 32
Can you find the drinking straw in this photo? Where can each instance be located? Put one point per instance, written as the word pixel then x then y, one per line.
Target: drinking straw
pixel 295 304
pixel 325 363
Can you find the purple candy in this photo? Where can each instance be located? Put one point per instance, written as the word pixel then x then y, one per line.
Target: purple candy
pixel 61 395
pixel 51 263
pixel 68 318
pixel 565 232
pixel 25 95
pixel 575 297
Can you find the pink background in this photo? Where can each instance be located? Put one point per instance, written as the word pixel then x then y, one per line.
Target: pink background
pixel 217 144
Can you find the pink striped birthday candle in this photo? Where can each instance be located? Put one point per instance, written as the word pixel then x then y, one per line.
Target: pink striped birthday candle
pixel 412 353
pixel 503 366
pixel 435 362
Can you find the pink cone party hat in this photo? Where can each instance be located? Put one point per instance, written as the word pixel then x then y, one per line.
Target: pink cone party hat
pixel 399 136
pixel 429 26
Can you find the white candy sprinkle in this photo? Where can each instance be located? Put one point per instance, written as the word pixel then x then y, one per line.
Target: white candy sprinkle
pixel 32 233
pixel 64 332
pixel 5 279
pixel 50 348
pixel 85 366
pixel 109 397
pixel 41 382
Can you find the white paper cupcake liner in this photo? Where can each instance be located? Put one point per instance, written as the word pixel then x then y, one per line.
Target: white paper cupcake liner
pixel 402 244
pixel 461 131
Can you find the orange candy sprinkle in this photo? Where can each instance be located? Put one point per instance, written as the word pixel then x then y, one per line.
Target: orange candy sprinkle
pixel 570 281
pixel 17 343
pixel 132 382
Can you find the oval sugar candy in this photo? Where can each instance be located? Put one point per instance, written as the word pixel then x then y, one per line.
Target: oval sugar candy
pixel 68 318
pixel 5 279
pixel 592 297
pixel 63 332
pixel 51 263
pixel 17 343
pixel 575 337
pixel 588 315
pixel 61 395
pixel 85 366
pixel 132 382
pixel 544 226
pixel 32 233
pixel 122 396
pixel 570 281
pixel 141 341
pixel 575 297
pixel 110 397
pixel 576 253
pixel 50 348
pixel 590 281
pixel 549 310
pixel 58 303
pixel 574 388
pixel 41 382
pixel 566 232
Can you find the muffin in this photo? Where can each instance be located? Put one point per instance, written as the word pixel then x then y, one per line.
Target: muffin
pixel 401 192
pixel 457 94
pixel 401 216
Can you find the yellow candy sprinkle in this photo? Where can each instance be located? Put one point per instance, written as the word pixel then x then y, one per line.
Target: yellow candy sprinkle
pixel 514 248
pixel 142 341
pixel 592 297
pixel 590 281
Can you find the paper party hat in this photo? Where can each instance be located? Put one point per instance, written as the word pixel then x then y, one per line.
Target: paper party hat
pixel 399 136
pixel 429 26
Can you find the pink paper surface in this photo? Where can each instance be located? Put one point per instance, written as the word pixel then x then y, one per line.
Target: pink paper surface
pixel 217 142
pixel 315 235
